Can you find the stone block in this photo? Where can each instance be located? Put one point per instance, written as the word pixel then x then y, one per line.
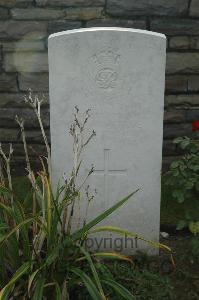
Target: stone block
pixel 192 114
pixel 8 83
pixel 194 8
pixel 176 83
pixel 193 83
pixel 22 30
pixel 57 26
pixel 172 131
pixel 174 116
pixel 182 63
pixel 84 14
pixel 8 100
pixel 34 150
pixel 174 27
pixel 185 101
pixel 138 24
pixel 194 42
pixel 4 13
pixel 23 46
pixel 15 3
pixel 35 82
pixel 12 135
pixel 179 42
pixel 69 3
pixel 7 117
pixel 145 7
pixel 37 14
pixel 184 42
pixel 26 62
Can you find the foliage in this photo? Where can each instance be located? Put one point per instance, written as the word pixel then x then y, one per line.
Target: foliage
pixel 183 181
pixel 40 256
pixel 143 282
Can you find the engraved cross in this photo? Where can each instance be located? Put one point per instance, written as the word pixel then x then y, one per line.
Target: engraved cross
pixel 106 172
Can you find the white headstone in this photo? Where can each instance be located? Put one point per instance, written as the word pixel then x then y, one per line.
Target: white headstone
pixel 119 74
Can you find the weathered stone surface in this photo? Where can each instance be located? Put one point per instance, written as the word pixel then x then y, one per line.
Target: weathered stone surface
pixel 179 42
pixel 13 135
pixel 182 63
pixel 35 82
pixel 84 14
pixel 175 116
pixel 24 45
pixel 22 29
pixel 26 62
pixel 145 7
pixel 37 14
pixel 15 3
pixel 138 24
pixel 110 71
pixel 58 26
pixel 176 26
pixel 176 83
pixel 7 117
pixel 185 101
pixel 174 130
pixel 194 8
pixel 9 100
pixel 8 82
pixel 4 14
pixel 68 3
pixel 193 83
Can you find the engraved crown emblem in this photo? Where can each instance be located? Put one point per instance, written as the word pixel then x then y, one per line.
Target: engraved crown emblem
pixel 106 58
pixel 106 63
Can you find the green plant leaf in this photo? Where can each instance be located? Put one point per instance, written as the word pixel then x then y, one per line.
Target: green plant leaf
pixel 80 233
pixel 19 217
pixel 58 292
pixel 178 194
pixel 119 289
pixel 109 255
pixel 5 191
pixel 15 229
pixel 128 233
pixel 5 291
pixel 31 279
pixel 93 291
pixel 95 275
pixel 38 289
pixel 181 224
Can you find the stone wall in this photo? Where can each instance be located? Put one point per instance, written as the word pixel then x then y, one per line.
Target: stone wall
pixel 24 29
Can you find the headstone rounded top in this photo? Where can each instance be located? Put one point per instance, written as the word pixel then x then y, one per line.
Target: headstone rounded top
pixel 118 29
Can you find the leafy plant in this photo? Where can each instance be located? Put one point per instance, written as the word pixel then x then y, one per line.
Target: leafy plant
pixel 40 256
pixel 183 181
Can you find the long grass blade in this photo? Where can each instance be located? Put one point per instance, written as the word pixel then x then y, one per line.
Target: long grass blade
pixel 128 233
pixel 5 291
pixel 93 269
pixel 6 237
pixel 119 289
pixel 92 290
pixel 80 233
